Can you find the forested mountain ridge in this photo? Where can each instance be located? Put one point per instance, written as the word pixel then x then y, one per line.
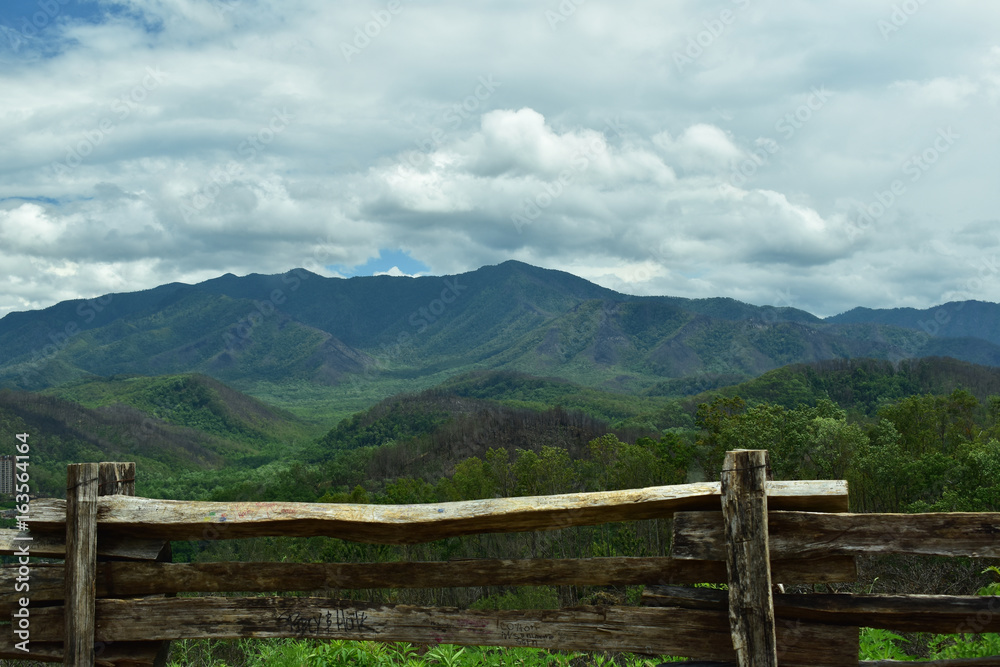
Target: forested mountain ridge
pixel 955 319
pixel 371 337
pixel 860 386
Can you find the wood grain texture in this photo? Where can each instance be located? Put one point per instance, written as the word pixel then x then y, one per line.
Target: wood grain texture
pixel 744 511
pixel 50 545
pixel 81 562
pixel 693 633
pixel 121 579
pixel 115 654
pixel 940 614
pixel 118 479
pixel 412 524
pixel 955 662
pixel 699 535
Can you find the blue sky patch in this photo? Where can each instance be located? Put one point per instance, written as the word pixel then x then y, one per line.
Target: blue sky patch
pixel 31 17
pixel 27 26
pixel 386 260
pixel 39 200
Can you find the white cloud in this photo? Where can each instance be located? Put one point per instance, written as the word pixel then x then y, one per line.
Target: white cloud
pixel 953 92
pixel 260 147
pixel 396 272
pixel 701 147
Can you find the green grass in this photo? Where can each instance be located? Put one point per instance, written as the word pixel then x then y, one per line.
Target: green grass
pixel 305 653
pixel 878 644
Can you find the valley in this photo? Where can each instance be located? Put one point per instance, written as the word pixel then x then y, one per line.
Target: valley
pixel 507 381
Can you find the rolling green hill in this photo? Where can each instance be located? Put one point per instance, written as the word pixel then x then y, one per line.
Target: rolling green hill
pixel 859 385
pixel 63 432
pixel 521 390
pixel 177 427
pixel 195 401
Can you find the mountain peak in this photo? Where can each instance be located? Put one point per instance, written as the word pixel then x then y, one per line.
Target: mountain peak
pixel 301 327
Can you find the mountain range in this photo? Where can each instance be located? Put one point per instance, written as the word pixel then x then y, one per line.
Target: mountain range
pixel 346 343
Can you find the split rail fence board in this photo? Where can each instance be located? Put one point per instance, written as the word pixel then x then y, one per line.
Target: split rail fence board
pixel 802 546
pixel 954 662
pixel 50 545
pixel 700 535
pixel 702 634
pixel 939 614
pixel 123 579
pixel 112 654
pixel 413 524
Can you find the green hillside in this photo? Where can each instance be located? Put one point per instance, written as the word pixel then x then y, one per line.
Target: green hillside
pixel 63 432
pixel 527 391
pixel 324 348
pixel 859 385
pixel 193 400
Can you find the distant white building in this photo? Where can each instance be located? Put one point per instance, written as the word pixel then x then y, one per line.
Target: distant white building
pixel 7 475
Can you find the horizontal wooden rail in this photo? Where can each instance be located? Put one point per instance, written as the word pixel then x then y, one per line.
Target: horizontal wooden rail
pixel 412 524
pixel 50 545
pixel 122 579
pixel 696 633
pixel 941 614
pixel 699 535
pixel 112 654
pixel 993 661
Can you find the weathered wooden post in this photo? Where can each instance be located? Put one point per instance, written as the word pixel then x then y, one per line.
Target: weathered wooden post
pixel 118 479
pixel 751 605
pixel 81 563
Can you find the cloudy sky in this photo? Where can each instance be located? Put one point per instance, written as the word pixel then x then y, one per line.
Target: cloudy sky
pixel 818 155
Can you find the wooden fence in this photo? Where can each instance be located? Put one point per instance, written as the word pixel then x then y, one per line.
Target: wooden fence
pixel 112 600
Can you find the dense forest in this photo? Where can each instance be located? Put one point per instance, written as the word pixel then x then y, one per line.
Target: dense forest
pixel 915 436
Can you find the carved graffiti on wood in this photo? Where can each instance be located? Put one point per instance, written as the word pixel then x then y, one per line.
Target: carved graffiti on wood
pixel 326 623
